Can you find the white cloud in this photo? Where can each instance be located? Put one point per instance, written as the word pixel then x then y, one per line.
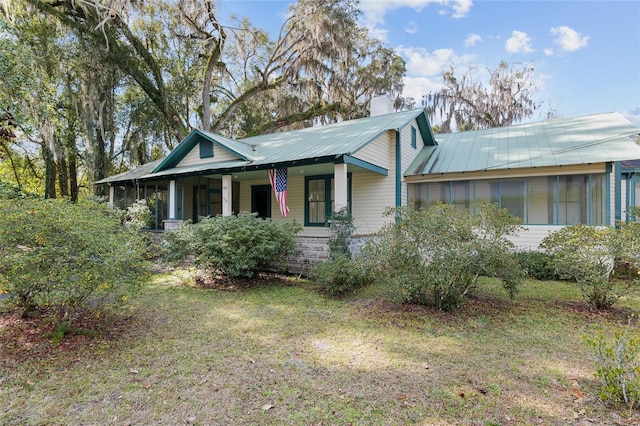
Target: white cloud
pixel 461 8
pixel 375 10
pixel 411 27
pixel 519 42
pixel 549 52
pixel 633 116
pixel 416 87
pixel 422 63
pixel 568 38
pixel 472 39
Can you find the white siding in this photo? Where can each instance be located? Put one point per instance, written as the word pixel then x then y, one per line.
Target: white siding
pixel 371 194
pixel 295 201
pixel 380 151
pixel 408 154
pixel 220 154
pixel 531 238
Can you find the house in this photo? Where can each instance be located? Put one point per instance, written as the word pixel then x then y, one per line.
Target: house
pixel 550 174
pixel 357 164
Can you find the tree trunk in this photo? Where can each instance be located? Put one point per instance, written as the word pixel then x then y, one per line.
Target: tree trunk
pixel 50 172
pixel 63 174
pixel 73 177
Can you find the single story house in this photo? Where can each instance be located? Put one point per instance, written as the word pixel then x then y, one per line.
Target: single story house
pixel 551 174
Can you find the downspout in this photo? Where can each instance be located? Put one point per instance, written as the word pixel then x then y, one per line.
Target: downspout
pixel 618 191
pixel 398 169
pixel 398 174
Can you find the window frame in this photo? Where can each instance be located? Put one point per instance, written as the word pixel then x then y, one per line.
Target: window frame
pixel 328 201
pixel 206 149
pixel 414 138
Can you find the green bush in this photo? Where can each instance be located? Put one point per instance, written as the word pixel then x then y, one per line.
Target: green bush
pixel 341 274
pixel 9 191
pixel 341 226
pixel 586 255
pixel 137 216
pixel 233 246
pixel 537 265
pixel 436 256
pixel 64 255
pixel 617 362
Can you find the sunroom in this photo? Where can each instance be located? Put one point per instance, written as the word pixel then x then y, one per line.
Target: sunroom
pixel 550 174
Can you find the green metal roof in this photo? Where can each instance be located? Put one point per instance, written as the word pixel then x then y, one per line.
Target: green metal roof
pixel 307 146
pixel 332 140
pixel 132 174
pixel 344 138
pixel 580 140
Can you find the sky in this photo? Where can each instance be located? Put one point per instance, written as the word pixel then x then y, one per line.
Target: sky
pixel 586 54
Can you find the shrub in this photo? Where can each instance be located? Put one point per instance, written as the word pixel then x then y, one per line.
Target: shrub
pixel 9 191
pixel 64 255
pixel 233 246
pixel 340 274
pixel 341 226
pixel 436 256
pixel 617 362
pixel 138 216
pixel 537 265
pixel 586 255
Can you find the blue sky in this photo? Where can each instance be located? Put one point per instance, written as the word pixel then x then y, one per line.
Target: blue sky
pixel 586 53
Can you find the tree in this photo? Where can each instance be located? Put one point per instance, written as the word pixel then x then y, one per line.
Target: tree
pixel 137 76
pixel 466 104
pixel 321 65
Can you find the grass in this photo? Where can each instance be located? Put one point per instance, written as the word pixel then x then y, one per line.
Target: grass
pixel 284 354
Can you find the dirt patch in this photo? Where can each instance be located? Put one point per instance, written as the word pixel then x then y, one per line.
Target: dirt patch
pixel 29 338
pixel 613 314
pixel 214 281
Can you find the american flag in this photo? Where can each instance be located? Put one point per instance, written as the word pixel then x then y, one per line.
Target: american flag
pixel 278 179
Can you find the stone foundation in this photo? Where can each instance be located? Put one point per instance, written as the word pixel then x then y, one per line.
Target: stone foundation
pixel 310 250
pixel 307 252
pixel 170 224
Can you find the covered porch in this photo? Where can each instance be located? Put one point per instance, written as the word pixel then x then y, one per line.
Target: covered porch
pixel 315 190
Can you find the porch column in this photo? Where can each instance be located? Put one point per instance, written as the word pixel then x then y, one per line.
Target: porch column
pixel 112 196
pixel 227 204
pixel 173 199
pixel 340 181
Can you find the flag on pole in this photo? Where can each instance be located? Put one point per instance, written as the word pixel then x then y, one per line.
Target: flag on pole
pixel 278 179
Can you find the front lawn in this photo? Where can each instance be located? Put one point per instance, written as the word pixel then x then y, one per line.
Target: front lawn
pixel 282 353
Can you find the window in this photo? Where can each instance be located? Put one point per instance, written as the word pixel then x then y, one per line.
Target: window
pixel 414 143
pixel 512 196
pixel 418 195
pixel 572 200
pixel 545 200
pixel 320 197
pixel 206 149
pixel 460 194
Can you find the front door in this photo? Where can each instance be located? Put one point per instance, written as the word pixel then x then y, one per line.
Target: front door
pixel 261 200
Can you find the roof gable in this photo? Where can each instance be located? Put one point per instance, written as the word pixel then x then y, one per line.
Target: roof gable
pixel 579 140
pixel 343 138
pixel 310 145
pixel 191 142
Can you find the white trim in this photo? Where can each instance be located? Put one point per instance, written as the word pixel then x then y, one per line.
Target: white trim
pixel 227 204
pixel 341 186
